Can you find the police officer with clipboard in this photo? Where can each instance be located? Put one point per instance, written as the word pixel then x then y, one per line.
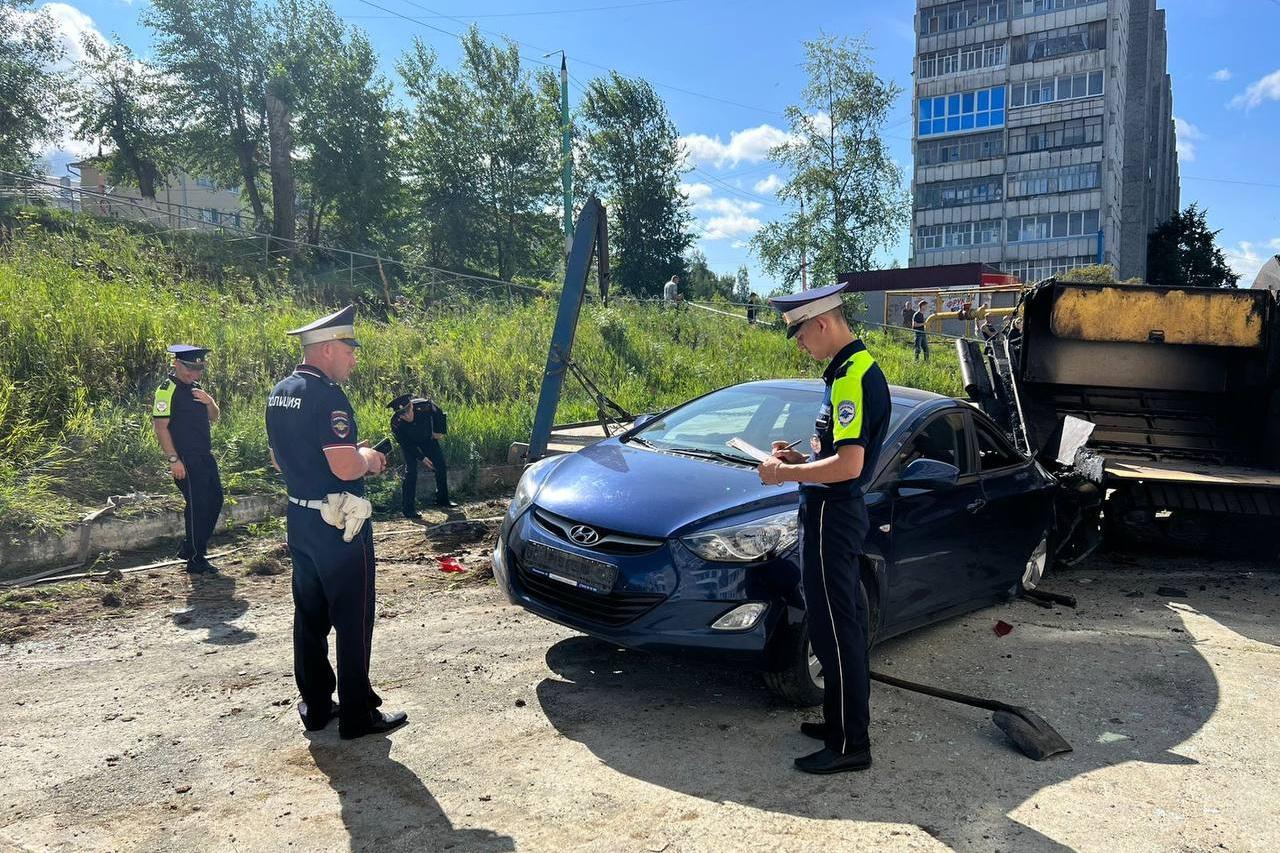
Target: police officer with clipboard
pixel 849 432
pixel 311 428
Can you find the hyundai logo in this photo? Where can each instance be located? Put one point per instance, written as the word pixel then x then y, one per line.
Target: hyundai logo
pixel 584 535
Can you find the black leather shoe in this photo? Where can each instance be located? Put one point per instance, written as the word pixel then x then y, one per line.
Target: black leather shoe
pixel 817 731
pixel 828 760
pixel 184 553
pixel 379 723
pixel 201 566
pixel 447 504
pixel 314 722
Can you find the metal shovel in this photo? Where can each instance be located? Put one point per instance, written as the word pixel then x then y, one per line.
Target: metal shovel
pixel 1027 729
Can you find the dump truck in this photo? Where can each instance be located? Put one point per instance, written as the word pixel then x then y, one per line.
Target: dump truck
pixel 1157 407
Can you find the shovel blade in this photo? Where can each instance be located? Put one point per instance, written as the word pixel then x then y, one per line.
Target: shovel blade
pixel 1030 733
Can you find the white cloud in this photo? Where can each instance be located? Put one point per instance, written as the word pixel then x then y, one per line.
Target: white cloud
pixel 1266 89
pixel 733 225
pixel 1222 75
pixel 770 184
pixel 72 26
pixel 739 244
pixel 1245 261
pixel 1188 135
pixel 696 193
pixel 1274 243
pixel 751 146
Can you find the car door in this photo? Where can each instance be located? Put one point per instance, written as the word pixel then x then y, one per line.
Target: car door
pixel 933 561
pixel 1017 509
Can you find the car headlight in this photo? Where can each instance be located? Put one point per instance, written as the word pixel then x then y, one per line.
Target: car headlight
pixel 743 543
pixel 530 482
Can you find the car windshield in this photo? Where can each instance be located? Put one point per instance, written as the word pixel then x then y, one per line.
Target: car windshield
pixel 758 414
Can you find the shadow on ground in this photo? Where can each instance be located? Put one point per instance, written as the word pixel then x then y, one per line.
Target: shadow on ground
pixel 717 734
pixel 213 606
pixel 385 806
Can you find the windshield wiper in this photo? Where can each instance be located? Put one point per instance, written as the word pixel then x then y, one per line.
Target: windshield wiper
pixel 643 442
pixel 711 454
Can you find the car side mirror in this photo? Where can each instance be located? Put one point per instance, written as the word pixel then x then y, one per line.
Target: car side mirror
pixel 928 474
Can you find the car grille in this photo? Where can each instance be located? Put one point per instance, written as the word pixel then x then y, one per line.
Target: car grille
pixel 611 541
pixel 614 609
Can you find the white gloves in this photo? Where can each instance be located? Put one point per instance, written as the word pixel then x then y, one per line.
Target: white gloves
pixel 345 511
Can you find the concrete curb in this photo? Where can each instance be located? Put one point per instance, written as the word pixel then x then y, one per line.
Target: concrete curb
pixel 103 531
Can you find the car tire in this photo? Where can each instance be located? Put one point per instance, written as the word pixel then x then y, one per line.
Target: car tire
pixel 800 683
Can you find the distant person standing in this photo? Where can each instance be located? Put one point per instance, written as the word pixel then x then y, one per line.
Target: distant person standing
pixel 918 323
pixel 907 311
pixel 181 416
pixel 671 292
pixel 753 305
pixel 418 425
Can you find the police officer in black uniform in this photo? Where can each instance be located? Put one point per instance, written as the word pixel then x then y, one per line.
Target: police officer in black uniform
pixel 849 432
pixel 418 425
pixel 314 441
pixel 181 415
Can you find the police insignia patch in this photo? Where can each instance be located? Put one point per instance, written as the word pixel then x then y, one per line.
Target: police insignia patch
pixel 846 412
pixel 162 406
pixel 341 423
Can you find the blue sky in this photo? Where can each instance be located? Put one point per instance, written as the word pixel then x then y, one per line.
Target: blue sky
pixel 728 68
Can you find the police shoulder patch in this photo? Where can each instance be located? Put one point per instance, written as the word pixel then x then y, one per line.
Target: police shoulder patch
pixel 846 412
pixel 340 423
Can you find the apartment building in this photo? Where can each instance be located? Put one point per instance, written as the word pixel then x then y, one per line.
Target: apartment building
pixel 182 200
pixel 1043 136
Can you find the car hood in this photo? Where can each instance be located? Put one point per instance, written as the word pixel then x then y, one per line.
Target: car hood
pixel 643 492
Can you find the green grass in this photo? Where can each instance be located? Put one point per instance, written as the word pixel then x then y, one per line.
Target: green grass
pixel 86 313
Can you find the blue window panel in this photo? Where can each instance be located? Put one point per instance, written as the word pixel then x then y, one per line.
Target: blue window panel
pixel 997 97
pixel 953 123
pixel 967 103
pixel 997 118
pixel 984 119
pixel 984 99
pixel 939 107
pixel 966 121
pixel 924 128
pixel 953 105
pixel 939 126
pixel 925 104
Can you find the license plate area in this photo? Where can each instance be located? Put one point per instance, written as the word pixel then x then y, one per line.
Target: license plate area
pixel 570 569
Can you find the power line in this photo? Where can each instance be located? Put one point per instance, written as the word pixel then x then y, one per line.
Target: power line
pixel 1225 180
pixel 541 12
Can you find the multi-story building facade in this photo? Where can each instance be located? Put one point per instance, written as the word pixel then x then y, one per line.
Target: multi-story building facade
pixel 182 200
pixel 1043 134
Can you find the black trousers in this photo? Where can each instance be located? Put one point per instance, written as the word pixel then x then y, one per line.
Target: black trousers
pixel 922 345
pixel 409 491
pixel 832 533
pixel 333 588
pixel 202 492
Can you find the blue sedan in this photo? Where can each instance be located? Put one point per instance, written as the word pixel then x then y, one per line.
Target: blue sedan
pixel 664 539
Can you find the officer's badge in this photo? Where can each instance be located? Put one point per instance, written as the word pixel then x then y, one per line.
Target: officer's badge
pixel 341 423
pixel 162 405
pixel 846 412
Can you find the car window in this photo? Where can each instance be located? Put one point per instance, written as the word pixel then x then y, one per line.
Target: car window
pixel 994 452
pixel 761 415
pixel 943 439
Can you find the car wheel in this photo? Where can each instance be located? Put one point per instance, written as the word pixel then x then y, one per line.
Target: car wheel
pixel 801 682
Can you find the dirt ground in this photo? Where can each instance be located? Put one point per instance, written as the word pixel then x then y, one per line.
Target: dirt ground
pixel 151 712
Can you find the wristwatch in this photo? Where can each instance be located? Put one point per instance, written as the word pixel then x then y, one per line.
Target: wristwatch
pixel 172 459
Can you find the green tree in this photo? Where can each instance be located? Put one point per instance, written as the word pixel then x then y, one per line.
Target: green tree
pixel 29 110
pixel 742 285
pixel 630 158
pixel 124 104
pixel 217 54
pixel 1182 252
pixel 481 156
pixel 840 168
pixel 701 282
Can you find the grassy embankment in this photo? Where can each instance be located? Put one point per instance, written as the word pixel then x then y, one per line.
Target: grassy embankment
pixel 85 315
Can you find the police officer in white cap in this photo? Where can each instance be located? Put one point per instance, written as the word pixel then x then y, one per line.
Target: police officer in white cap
pixel 848 434
pixel 314 441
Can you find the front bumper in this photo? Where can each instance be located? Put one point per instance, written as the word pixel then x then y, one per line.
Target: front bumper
pixel 664 600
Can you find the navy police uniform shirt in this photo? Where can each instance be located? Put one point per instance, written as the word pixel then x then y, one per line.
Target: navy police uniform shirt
pixel 306 413
pixel 418 435
pixel 855 410
pixel 188 418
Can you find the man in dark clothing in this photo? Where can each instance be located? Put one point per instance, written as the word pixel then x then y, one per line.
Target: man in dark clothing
pixel 418 425
pixel 918 324
pixel 315 442
pixel 849 433
pixel 907 311
pixel 753 305
pixel 181 415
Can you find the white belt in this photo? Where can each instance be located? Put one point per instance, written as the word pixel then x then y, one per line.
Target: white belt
pixel 307 504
